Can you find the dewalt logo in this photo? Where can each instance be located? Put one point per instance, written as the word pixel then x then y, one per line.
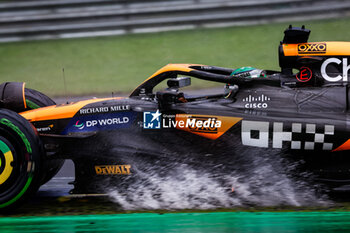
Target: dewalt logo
pixel 312 48
pixel 113 169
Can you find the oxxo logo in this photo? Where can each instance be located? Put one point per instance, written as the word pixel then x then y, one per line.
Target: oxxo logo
pixel 256 102
pixel 337 78
pixel 312 48
pixel 151 120
pixel 258 134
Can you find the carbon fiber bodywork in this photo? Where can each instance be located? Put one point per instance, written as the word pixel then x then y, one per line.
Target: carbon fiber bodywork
pixel 302 116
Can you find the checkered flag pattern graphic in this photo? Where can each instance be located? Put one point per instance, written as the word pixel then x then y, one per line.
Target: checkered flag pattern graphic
pixel 319 137
pixel 281 136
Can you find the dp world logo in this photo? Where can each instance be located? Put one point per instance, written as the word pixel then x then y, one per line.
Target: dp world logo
pixel 151 120
pixel 79 125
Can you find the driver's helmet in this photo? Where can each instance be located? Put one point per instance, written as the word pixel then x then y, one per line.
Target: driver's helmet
pixel 248 72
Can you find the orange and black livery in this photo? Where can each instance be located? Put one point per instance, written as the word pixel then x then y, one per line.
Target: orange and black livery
pixel 300 112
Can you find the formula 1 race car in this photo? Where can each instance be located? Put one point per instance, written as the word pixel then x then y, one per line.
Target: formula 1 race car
pixel 302 114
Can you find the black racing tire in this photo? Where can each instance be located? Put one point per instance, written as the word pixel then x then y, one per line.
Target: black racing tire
pixel 20 155
pixel 36 99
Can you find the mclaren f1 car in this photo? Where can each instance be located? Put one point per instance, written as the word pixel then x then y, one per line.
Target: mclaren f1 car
pixel 302 111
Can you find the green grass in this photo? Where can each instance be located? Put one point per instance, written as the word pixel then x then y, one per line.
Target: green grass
pixel 118 64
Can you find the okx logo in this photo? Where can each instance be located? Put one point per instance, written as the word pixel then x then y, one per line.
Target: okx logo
pixel 151 120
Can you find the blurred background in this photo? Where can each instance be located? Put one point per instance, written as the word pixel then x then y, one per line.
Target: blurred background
pixel 109 46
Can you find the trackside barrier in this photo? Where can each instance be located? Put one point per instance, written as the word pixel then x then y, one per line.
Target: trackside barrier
pixel 55 19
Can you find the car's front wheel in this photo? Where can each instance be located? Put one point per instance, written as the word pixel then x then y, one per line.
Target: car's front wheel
pixel 20 159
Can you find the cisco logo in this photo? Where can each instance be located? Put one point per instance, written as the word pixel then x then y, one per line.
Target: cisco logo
pixel 256 102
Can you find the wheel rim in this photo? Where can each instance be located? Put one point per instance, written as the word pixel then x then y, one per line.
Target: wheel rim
pixel 6 159
pixel 20 177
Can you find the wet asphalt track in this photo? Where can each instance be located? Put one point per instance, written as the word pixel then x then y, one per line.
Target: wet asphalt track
pixel 59 185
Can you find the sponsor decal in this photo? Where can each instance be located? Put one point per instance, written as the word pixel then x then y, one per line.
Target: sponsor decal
pixel 151 120
pixel 312 48
pixel 207 126
pixel 298 136
pixel 256 102
pixel 105 109
pixel 113 169
pixel 337 78
pixel 79 125
pixel 304 75
pixel 107 121
pixel 194 123
pixel 45 129
pixel 204 125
